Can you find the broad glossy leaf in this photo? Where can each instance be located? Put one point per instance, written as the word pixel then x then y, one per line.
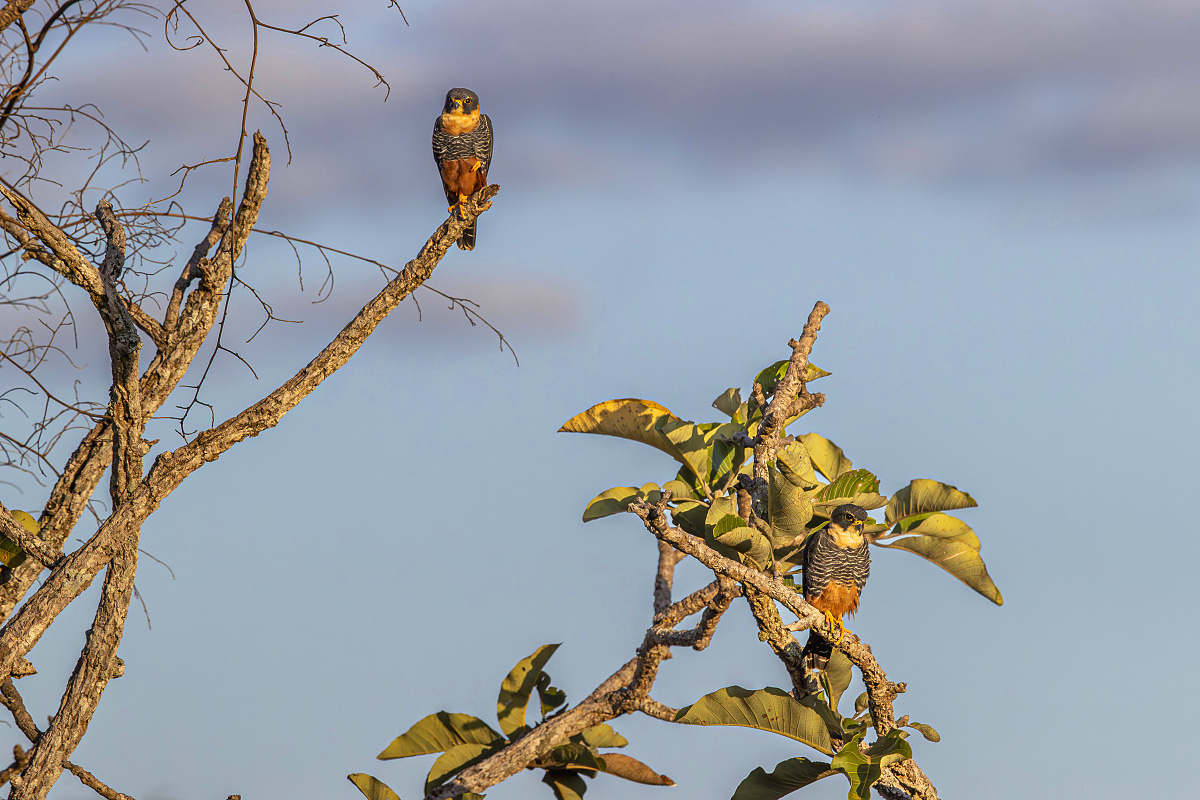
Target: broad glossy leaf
pixel 455 760
pixel 765 709
pixel 827 457
pixel 629 418
pixel 923 495
pixel 549 697
pixel 567 785
pixel 683 489
pixel 863 768
pixel 959 559
pixel 439 732
pixel 603 735
pixel 833 723
pixel 617 500
pixel 750 546
pixel 721 507
pixel 372 788
pixel 517 686
pixel 838 673
pixel 729 401
pixel 938 525
pixel 858 486
pixel 770 377
pixel 727 458
pixel 790 510
pixel 795 464
pixel 787 777
pixel 632 770
pixel 690 445
pixel 861 702
pixel 575 756
pixel 690 518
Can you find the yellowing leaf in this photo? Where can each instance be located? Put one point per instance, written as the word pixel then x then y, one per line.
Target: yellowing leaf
pixel 517 686
pixel 766 709
pixel 617 500
pixel 455 760
pixel 922 496
pixel 827 457
pixel 956 557
pixel 940 526
pixel 629 418
pixel 372 788
pixel 603 735
pixel 787 777
pixel 439 732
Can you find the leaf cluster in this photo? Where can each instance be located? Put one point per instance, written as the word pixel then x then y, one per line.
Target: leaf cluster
pixel 463 740
pixel 814 721
pixel 808 479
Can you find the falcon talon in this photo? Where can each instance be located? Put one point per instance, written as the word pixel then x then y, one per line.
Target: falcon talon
pixel 462 150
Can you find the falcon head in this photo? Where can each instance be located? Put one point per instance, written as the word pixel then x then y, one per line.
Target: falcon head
pixel 849 516
pixel 461 101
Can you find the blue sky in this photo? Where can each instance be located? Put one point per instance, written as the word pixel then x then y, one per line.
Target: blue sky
pixel 998 200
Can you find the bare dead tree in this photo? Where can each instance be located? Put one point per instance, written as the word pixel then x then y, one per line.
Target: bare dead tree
pixel 68 240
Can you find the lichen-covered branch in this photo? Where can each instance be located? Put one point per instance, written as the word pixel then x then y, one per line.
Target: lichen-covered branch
pixel 881 692
pixel 75 572
pixel 627 690
pixel 790 396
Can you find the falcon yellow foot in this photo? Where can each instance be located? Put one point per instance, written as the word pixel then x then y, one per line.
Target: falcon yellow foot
pixel 478 165
pixel 834 621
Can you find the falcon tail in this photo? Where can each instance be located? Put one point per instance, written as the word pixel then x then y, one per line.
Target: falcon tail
pixel 467 240
pixel 817 651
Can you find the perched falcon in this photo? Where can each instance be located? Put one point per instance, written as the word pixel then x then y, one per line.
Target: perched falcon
pixel 462 150
pixel 836 567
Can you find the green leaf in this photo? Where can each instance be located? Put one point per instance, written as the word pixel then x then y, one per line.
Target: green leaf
pixel 748 545
pixel 439 732
pixel 923 495
pixel 770 377
pixel 630 418
pixel 567 785
pixel 765 709
pixel 727 458
pixel 858 486
pixel 796 466
pixel 837 674
pixel 617 500
pixel 690 518
pixel 729 402
pixel 938 525
pixel 575 756
pixel 372 788
pixel 517 687
pixel 926 730
pixel 958 558
pixel 632 770
pixel 787 777
pixel 861 702
pixel 603 735
pixel 691 448
pixel 789 501
pixel 833 722
pixel 683 490
pixel 455 760
pixel 549 697
pixel 827 457
pixel 863 768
